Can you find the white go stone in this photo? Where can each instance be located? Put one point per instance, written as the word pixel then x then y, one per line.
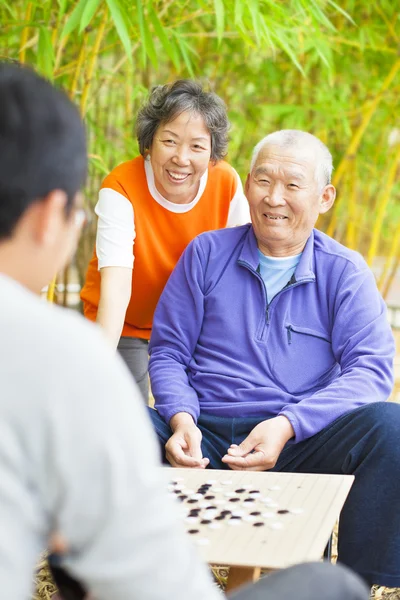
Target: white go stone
pixel 229 494
pixel 196 496
pixel 268 515
pixel 238 513
pixel 214 526
pixel 192 519
pixel 218 489
pixel 203 541
pixel 274 487
pixel 266 500
pixel 297 511
pixel 250 518
pixel 226 482
pixel 211 481
pixel 276 525
pixel 234 522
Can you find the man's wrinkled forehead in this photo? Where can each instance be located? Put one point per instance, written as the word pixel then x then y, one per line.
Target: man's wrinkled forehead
pixel 299 162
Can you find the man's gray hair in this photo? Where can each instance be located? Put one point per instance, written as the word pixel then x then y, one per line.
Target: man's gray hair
pixel 166 102
pixel 286 138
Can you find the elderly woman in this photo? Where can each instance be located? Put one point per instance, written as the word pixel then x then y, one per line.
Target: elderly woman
pixel 151 207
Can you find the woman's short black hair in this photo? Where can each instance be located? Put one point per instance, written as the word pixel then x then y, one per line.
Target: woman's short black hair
pixel 166 102
pixel 42 143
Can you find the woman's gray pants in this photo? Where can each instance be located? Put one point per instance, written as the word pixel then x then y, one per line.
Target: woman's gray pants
pixel 134 351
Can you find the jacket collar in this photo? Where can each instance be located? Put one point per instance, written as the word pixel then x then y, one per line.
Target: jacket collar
pixel 305 268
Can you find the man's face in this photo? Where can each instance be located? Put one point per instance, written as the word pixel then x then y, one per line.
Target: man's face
pixel 285 199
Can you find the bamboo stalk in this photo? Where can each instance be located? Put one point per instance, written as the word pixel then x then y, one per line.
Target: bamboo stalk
pixel 352 208
pixel 390 259
pixel 383 203
pixel 78 68
pixel 51 289
pixel 92 63
pixel 25 33
pixel 356 139
pixel 392 274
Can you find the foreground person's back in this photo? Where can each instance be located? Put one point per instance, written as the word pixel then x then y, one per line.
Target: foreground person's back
pixel 77 456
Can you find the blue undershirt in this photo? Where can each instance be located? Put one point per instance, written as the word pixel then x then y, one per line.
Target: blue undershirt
pixel 277 272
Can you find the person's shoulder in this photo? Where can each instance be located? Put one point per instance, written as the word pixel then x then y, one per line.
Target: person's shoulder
pixel 48 336
pixel 222 240
pixel 124 171
pixel 222 169
pixel 337 252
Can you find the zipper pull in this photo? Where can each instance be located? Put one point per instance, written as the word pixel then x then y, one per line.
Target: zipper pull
pixel 289 334
pixel 267 314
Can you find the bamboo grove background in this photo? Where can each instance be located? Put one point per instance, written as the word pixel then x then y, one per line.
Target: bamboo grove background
pixel 331 68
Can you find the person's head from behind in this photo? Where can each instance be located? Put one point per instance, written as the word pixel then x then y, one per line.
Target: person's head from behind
pixel 182 128
pixel 288 186
pixel 43 166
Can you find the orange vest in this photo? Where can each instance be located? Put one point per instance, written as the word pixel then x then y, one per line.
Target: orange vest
pixel 161 237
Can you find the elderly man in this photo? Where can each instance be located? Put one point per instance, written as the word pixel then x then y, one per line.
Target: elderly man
pixel 271 350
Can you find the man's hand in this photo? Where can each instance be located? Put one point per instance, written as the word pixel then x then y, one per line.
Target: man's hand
pixel 183 448
pixel 261 449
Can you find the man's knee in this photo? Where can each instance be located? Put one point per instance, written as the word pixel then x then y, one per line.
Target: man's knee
pixel 380 422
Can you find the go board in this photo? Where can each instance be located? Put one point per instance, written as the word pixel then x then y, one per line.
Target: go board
pixel 253 519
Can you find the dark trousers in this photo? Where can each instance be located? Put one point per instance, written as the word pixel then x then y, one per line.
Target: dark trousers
pixel 364 443
pixel 312 581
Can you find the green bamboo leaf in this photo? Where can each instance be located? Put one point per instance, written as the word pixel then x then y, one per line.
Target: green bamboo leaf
pixel 343 12
pixel 62 6
pixel 169 48
pixel 185 55
pixel 220 18
pixel 45 53
pixel 255 18
pixel 120 19
pixel 148 49
pixel 8 7
pixel 88 13
pixel 239 6
pixel 284 44
pixel 74 19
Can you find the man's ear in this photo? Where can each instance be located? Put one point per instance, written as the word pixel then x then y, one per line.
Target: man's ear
pixel 327 199
pixel 50 217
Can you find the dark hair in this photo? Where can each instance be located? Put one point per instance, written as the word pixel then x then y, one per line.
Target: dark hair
pixel 166 102
pixel 42 143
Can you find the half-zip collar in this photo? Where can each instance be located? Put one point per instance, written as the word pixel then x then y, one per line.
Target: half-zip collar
pixel 304 270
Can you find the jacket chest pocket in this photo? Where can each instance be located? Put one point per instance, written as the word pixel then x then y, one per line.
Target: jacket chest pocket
pixel 304 359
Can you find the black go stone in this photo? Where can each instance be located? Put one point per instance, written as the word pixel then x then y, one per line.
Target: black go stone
pixel 182 497
pixel 220 517
pixel 234 500
pixel 191 531
pixel 205 521
pixel 235 517
pixel 248 500
pixel 209 497
pixel 225 512
pixel 283 511
pixel 240 491
pixel 254 491
pixel 191 501
pixel 255 513
pixel 211 507
pixel 259 524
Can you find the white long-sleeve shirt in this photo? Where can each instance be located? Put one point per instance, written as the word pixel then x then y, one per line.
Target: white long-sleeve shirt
pixel 78 456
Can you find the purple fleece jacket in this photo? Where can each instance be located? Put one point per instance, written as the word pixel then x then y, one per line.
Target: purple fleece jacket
pixel 321 348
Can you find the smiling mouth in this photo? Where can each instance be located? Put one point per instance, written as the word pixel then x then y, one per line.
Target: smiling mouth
pixel 178 176
pixel 274 217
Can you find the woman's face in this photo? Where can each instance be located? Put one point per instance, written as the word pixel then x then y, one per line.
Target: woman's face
pixel 179 156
